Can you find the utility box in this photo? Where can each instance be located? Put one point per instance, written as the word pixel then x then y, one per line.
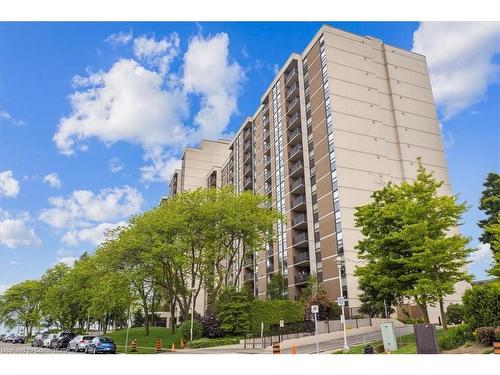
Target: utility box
pixel 388 337
pixel 426 337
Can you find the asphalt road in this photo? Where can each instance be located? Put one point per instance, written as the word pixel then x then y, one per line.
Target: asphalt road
pixel 8 348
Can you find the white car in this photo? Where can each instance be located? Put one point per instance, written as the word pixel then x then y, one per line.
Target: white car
pixel 80 342
pixel 46 342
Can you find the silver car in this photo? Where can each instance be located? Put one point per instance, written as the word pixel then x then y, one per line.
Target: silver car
pixel 79 343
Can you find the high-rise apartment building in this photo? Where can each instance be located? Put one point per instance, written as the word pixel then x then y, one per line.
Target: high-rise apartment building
pixel 338 122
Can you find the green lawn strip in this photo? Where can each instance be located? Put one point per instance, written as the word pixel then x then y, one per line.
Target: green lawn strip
pixel 406 345
pixel 146 344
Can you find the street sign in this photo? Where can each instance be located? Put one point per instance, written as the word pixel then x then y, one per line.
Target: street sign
pixel 388 337
pixel 314 309
pixel 341 301
pixel 282 323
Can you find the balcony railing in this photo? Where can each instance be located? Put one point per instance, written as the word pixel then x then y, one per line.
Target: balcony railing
pixel 300 239
pixel 294 151
pixel 294 136
pixel 267 160
pixel 267 174
pixel 247 157
pixel 301 278
pixel 292 89
pixel 299 219
pixel 248 277
pixel 248 262
pixel 270 268
pixel 293 120
pixel 290 75
pixel 267 189
pixel 246 133
pixel 265 109
pixel 299 183
pixel 247 170
pixel 247 145
pixel 266 134
pixel 247 181
pixel 300 201
pixel 301 258
pixel 296 168
pixel 293 104
pixel 267 147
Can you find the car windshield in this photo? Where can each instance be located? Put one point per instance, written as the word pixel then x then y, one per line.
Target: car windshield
pixel 106 339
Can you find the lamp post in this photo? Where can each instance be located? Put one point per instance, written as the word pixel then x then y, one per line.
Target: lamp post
pixel 192 311
pixel 339 266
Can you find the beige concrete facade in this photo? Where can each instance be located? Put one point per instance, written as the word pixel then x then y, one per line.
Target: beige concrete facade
pixel 339 121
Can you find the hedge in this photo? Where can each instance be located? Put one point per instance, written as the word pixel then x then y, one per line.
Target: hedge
pixel 455 337
pixel 208 343
pixel 272 311
pixel 481 306
pixel 185 329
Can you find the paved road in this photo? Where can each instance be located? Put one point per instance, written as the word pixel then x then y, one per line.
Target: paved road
pixel 8 348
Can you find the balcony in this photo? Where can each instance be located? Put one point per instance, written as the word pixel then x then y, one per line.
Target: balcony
pixel 270 268
pixel 295 153
pixel 248 262
pixel 247 183
pixel 270 251
pixel 301 240
pixel 267 161
pixel 301 278
pixel 267 189
pixel 246 133
pixel 294 120
pixel 294 89
pixel 265 108
pixel 298 186
pixel 267 147
pixel 297 169
pixel 247 170
pixel 267 174
pixel 299 221
pixel 247 157
pixel 265 121
pixel 290 76
pixel 299 203
pixel 266 134
pixel 248 277
pixel 295 136
pixel 302 259
pixel 247 145
pixel 293 106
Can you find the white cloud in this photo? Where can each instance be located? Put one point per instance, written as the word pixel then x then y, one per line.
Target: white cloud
pixel 459 56
pixel 483 254
pixel 8 117
pixel 120 38
pixel 69 261
pixel 158 54
pixel 150 106
pixel 53 180
pixel 115 165
pixel 9 187
pixel 15 232
pixel 83 207
pixel 209 73
pixel 94 236
pixel 13 263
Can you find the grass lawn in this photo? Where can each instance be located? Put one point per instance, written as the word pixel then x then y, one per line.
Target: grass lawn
pixel 406 345
pixel 165 334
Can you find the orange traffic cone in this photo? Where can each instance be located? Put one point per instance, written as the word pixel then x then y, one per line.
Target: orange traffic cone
pixel 173 348
pixel 182 344
pixel 158 346
pixel 294 350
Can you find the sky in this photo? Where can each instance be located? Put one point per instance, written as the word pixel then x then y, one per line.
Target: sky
pixel 94 117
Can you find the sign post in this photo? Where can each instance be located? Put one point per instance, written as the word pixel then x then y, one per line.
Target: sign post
pixel 315 310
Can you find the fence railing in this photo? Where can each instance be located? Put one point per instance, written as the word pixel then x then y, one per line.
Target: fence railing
pixel 275 333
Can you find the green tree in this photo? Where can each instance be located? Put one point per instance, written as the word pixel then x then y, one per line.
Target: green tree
pixel 490 204
pixel 233 311
pixel 410 241
pixel 482 305
pixel 276 286
pixel 20 305
pixel 315 294
pixel 493 232
pixel 455 313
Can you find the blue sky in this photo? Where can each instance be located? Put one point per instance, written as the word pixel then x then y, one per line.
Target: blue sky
pixel 81 148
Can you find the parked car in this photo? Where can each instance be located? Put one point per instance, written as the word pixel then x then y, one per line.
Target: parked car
pixel 101 344
pixel 48 340
pixel 63 340
pixel 79 343
pixel 10 337
pixel 38 340
pixel 19 339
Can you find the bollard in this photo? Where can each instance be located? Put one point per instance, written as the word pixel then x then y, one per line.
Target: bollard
pixel 276 348
pixel 133 345
pixel 172 349
pixel 294 350
pixel 496 347
pixel 158 345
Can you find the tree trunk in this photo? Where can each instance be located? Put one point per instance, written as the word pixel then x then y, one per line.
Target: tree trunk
pixel 146 317
pixel 443 315
pixel 172 316
pixel 423 307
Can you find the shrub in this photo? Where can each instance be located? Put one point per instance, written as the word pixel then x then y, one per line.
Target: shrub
pixel 211 326
pixel 335 311
pixel 233 311
pixel 207 343
pixel 272 311
pixel 185 329
pixel 455 313
pixel 481 306
pixel 497 334
pixel 455 337
pixel 485 336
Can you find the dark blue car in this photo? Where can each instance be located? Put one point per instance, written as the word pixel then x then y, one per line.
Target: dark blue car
pixel 101 344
